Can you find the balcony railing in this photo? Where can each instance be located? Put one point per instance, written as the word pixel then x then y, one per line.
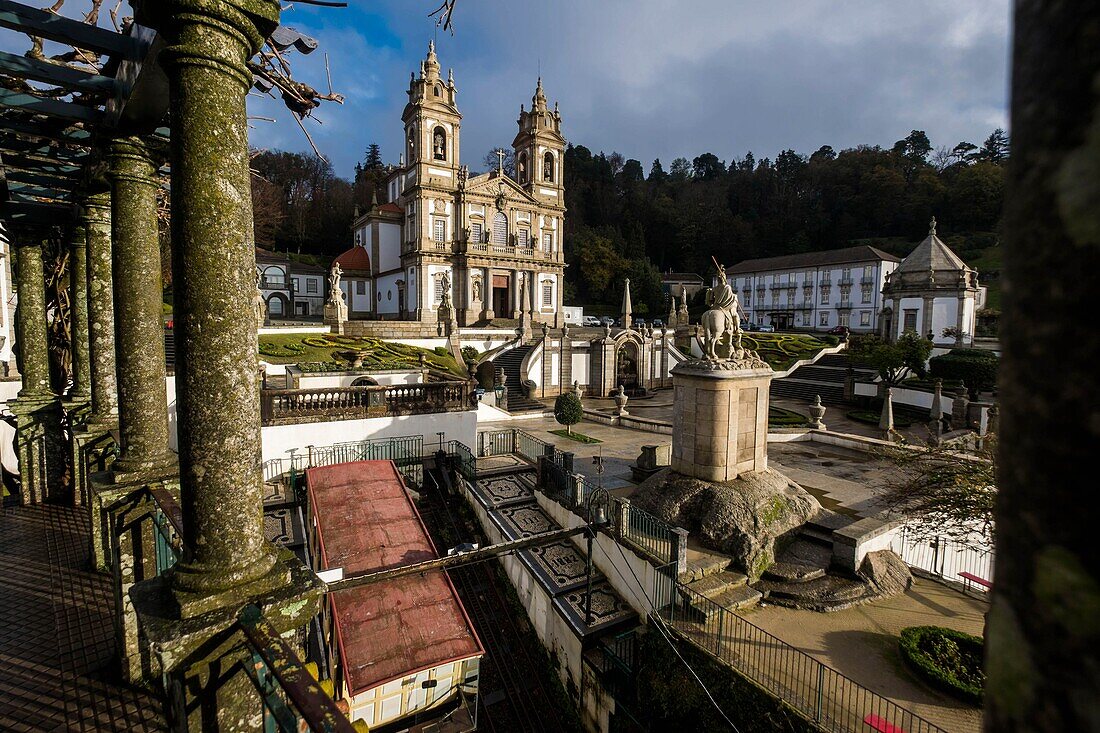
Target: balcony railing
pixel 867 281
pixel 844 305
pixel 288 406
pixel 845 281
pixel 273 283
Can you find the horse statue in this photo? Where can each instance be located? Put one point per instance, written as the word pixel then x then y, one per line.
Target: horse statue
pixel 721 324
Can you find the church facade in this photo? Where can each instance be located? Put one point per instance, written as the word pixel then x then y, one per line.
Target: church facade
pixel 490 245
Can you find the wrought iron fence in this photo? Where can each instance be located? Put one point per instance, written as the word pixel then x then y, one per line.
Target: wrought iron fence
pixel 167 518
pixel 496 442
pixel 530 447
pixel 464 459
pixel 649 534
pixel 557 483
pixel 943 557
pixel 831 700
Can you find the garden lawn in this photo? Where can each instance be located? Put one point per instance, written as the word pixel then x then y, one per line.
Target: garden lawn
pixel 781 350
pixel 329 352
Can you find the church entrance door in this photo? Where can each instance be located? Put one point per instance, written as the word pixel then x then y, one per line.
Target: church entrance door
pixel 502 291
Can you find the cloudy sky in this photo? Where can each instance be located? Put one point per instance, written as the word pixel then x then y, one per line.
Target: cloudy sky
pixel 662 78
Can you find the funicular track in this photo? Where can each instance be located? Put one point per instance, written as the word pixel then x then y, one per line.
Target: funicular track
pixel 513 695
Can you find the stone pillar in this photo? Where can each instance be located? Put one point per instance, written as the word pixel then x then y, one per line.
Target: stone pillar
pixel 101 308
pixel 487 294
pixel 38 439
pixel 30 322
pixel 926 317
pixel 720 421
pixel 139 325
pixel 516 294
pixel 78 299
pixel 959 338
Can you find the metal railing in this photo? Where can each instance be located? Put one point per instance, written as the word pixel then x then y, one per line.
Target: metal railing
pixel 167 518
pixel 287 406
pixel 649 534
pixel 496 442
pixel 831 700
pixel 464 459
pixel 293 700
pixel 405 451
pixel 530 447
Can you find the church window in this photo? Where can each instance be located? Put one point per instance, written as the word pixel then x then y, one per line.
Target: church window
pixel 500 229
pixel 360 287
pixel 411 145
pixel 521 168
pixel 476 232
pixel 438 91
pixel 439 144
pixel 439 230
pixel 547 295
pixel 865 318
pixel 548 242
pixel 548 167
pixel 824 318
pixel 523 237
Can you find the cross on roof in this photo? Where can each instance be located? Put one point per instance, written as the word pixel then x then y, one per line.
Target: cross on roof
pixel 500 159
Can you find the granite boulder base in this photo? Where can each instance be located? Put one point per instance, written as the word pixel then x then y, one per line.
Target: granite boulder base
pixel 744 518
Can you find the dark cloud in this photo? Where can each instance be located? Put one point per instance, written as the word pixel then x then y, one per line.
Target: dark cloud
pixel 658 78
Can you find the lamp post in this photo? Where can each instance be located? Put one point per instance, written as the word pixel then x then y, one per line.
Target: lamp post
pixel 597 503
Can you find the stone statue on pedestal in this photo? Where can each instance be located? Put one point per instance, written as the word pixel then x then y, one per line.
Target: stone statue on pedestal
pixel 721 324
pixel 336 310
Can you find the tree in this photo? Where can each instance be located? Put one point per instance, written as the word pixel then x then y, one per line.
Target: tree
pixel 915 146
pixel 892 361
pixel 680 170
pixel 657 172
pixel 568 410
pixel 492 161
pixel 945 493
pixel 707 167
pixel 995 147
pixel 373 158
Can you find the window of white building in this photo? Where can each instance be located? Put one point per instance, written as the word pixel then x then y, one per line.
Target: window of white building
pixel 547 295
pixel 311 285
pixel 548 242
pixel 865 291
pixel 825 295
pixel 439 230
pixel 865 318
pixel 909 322
pixel 437 289
pixel 296 284
pixel 824 318
pixel 845 318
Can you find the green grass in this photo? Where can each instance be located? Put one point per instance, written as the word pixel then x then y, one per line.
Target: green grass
pixel 333 352
pixel 945 658
pixel 872 418
pixel 781 417
pixel 574 435
pixel 781 350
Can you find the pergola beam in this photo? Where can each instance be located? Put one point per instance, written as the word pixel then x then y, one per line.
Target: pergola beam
pixel 33 192
pixel 51 167
pixel 66 77
pixel 49 107
pixel 41 150
pixel 38 178
pixel 54 27
pixel 47 129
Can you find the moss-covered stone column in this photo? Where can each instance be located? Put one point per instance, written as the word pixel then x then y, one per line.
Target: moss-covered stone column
pixel 139 325
pixel 78 299
pixel 30 322
pixel 225 555
pixel 101 307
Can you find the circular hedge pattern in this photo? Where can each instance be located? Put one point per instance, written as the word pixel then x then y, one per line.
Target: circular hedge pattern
pixel 779 417
pixel 947 659
pixel 872 418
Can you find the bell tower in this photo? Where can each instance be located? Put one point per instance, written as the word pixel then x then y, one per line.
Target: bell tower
pixel 540 150
pixel 432 127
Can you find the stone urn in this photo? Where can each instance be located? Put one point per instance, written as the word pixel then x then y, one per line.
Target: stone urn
pixel 817 411
pixel 620 402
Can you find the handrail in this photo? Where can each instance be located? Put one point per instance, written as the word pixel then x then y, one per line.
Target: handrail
pixel 308 701
pixel 280 406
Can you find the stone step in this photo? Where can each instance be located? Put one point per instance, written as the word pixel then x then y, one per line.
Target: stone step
pixel 701 563
pixel 737 598
pixel 827 520
pixel 827 588
pixel 819 535
pixel 715 585
pixel 785 572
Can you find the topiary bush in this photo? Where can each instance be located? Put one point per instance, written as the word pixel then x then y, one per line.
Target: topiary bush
pixel 977 368
pixel 947 659
pixel 568 410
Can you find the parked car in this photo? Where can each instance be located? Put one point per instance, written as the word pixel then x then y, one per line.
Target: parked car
pixel 658 323
pixel 592 322
pixel 838 331
pixel 639 322
pixel 766 328
pixel 607 321
pixel 750 326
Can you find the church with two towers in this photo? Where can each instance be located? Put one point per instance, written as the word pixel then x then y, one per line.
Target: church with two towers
pixel 489 244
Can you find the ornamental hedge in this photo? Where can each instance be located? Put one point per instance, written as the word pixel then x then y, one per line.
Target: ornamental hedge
pixel 947 659
pixel 977 368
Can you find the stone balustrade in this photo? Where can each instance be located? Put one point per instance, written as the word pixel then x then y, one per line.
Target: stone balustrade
pixel 291 406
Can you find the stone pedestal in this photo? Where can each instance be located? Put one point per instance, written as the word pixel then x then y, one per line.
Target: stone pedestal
pixel 720 420
pixel 336 315
pixel 39 447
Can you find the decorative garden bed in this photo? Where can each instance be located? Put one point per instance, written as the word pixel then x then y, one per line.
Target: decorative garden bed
pixel 946 659
pixel 330 352
pixel 781 350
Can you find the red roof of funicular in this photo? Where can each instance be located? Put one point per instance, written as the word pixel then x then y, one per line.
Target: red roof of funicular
pixel 366 521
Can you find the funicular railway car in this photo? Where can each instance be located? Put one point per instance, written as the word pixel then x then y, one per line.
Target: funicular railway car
pixel 402 653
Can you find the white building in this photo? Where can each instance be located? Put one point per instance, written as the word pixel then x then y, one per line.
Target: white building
pixel 7 308
pixel 933 293
pixel 497 239
pixel 307 288
pixel 814 290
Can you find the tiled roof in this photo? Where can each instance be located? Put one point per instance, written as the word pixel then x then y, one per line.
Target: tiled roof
pixel 862 253
pixel 932 254
pixel 263 255
pixel 366 522
pixel 355 259
pixel 676 277
pixel 391 208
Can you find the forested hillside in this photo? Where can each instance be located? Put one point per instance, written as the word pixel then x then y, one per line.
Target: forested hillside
pixel 625 222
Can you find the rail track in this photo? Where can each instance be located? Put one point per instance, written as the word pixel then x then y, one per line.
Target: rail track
pixel 513 693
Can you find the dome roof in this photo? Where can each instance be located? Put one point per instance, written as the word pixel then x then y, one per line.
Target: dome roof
pixel 932 255
pixel 355 259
